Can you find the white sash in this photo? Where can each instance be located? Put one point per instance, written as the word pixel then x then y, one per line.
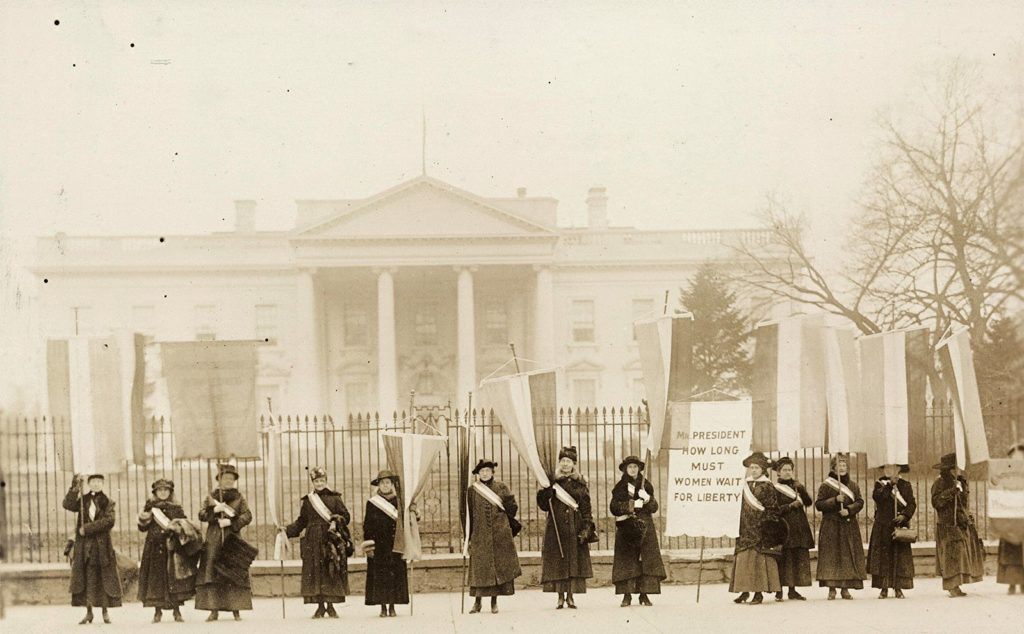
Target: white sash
pixel 842 488
pixel 748 494
pixel 319 506
pixel 786 490
pixel 564 497
pixel 487 494
pixel 161 519
pixel 388 508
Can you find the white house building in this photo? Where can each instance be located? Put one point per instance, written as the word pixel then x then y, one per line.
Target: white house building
pixel 420 287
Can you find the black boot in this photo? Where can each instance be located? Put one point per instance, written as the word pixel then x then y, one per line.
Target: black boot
pixel 157 615
pixel 645 600
pixel 331 612
pixel 494 605
pixel 87 619
pixel 476 606
pixel 627 599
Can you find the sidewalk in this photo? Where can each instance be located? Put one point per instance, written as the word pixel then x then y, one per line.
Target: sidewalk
pixel 927 609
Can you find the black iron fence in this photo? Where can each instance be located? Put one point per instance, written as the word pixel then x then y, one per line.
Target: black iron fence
pixel 37 527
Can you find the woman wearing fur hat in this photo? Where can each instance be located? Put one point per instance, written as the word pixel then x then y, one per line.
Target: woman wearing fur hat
pixel 387 580
pixel 159 588
pixel 568 533
pixel 840 549
pixel 324 546
pixel 493 560
pixel 959 556
pixel 637 566
pixel 795 562
pixel 1011 557
pixel 95 580
pixel 891 563
pixel 753 570
pixel 225 512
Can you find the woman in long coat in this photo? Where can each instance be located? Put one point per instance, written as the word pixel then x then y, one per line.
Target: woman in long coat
pixel 753 570
pixel 226 513
pixel 95 580
pixel 795 562
pixel 958 552
pixel 1011 556
pixel 387 580
pixel 569 531
pixel 158 587
pixel 891 563
pixel 493 560
pixel 323 523
pixel 637 566
pixel 840 549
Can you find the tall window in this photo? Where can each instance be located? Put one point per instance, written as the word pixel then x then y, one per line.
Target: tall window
pixel 582 316
pixel 584 392
pixel 356 325
pixel 495 323
pixel 203 318
pixel 266 322
pixel 426 324
pixel 643 308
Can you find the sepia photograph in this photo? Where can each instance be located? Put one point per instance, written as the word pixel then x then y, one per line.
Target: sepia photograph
pixel 451 316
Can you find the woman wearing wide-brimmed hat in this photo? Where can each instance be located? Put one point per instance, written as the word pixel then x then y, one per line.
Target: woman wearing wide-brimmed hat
pixel 568 533
pixel 959 555
pixel 387 579
pixel 159 587
pixel 1011 556
pixel 795 561
pixel 225 512
pixel 840 546
pixel 754 570
pixel 493 560
pixel 325 545
pixel 891 563
pixel 637 567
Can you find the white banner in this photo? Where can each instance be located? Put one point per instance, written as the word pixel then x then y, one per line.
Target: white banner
pixel 705 480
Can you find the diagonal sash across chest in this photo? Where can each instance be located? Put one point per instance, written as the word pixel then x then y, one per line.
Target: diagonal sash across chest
pixel 748 494
pixel 839 486
pixel 161 519
pixel 385 506
pixel 786 490
pixel 488 494
pixel 564 497
pixel 321 509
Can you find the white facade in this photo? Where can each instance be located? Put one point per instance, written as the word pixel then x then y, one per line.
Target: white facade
pixel 421 287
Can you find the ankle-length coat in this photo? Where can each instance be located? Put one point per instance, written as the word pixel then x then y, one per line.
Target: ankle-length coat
pixel 637 553
pixel 574 567
pixel 158 585
pixel 493 560
pixel 840 547
pixel 93 546
pixel 324 563
pixel 886 557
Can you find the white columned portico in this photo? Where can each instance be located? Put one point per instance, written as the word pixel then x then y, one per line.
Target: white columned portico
pixel 387 355
pixel 544 317
pixel 309 380
pixel 466 332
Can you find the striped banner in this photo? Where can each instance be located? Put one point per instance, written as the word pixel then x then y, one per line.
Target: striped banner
pixel 788 391
pixel 526 406
pixel 957 362
pixel 666 357
pixel 411 456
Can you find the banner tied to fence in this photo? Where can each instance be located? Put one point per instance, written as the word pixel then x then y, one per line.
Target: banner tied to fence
pixel 705 480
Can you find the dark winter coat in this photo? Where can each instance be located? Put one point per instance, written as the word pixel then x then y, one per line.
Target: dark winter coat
pixel 840 548
pixel 573 526
pixel 215 536
pixel 751 519
pixel 387 579
pixel 94 545
pixel 637 552
pixel 956 547
pixel 493 559
pixel 882 548
pixel 795 515
pixel 158 585
pixel 324 566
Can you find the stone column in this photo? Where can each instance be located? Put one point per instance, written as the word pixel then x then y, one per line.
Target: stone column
pixel 308 381
pixel 387 353
pixel 466 329
pixel 544 317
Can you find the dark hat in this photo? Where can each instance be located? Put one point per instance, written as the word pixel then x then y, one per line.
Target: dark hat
pixel 484 463
pixel 384 474
pixel 93 476
pixel 570 453
pixel 1018 446
pixel 946 463
pixel 163 483
pixel 317 472
pixel 226 468
pixel 757 458
pixel 783 461
pixel 628 460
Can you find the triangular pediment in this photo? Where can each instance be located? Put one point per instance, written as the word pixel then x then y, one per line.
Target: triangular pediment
pixel 422 208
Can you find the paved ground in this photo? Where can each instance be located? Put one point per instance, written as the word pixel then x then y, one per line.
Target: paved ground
pixel 927 609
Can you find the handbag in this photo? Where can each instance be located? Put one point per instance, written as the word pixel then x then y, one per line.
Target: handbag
pixel 900 534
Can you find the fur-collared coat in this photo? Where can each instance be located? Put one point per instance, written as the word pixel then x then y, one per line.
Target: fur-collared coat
pixel 95 545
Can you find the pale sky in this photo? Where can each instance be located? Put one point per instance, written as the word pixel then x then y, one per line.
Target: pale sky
pixel 689 113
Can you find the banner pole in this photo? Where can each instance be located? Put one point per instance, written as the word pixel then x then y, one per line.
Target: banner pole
pixel 700 567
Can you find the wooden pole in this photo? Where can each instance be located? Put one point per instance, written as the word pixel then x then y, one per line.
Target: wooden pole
pixel 700 568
